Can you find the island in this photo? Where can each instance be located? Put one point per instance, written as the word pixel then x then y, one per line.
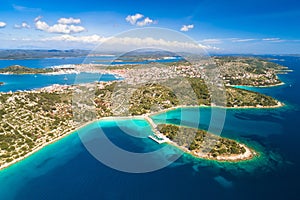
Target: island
pixel 30 120
pixel 1 83
pixel 18 69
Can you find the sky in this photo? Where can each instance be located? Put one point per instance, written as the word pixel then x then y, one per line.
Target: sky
pixel 218 26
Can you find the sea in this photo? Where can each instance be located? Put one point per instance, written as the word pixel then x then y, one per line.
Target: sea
pixel 67 170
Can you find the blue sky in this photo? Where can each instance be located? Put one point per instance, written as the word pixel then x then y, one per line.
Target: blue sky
pixel 231 26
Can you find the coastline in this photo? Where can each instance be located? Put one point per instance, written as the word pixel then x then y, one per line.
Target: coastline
pixel 234 159
pixel 279 104
pixel 143 117
pixel 248 155
pixel 6 165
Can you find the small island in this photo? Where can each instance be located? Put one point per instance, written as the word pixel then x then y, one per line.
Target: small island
pixel 1 83
pixel 33 119
pixel 17 69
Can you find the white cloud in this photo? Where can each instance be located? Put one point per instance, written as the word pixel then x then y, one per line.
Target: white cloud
pixel 76 29
pixel 63 28
pixel 146 21
pixel 133 18
pixel 138 20
pixel 186 28
pixel 2 24
pixel 23 25
pixel 60 27
pixel 40 25
pixel 70 20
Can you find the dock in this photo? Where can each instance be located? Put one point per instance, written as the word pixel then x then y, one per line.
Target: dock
pixel 157 137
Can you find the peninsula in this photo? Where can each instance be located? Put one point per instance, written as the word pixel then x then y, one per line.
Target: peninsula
pixel 32 119
pixel 249 71
pixel 206 145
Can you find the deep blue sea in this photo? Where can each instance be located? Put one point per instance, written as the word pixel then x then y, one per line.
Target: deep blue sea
pixel 66 170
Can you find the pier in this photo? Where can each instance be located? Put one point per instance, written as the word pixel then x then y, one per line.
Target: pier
pixel 157 137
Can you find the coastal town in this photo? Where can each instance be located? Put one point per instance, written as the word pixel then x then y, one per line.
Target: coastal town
pixel 33 119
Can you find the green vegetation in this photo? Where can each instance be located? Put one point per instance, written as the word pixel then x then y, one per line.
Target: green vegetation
pixel 27 120
pixel 200 88
pixel 152 97
pixel 200 141
pixel 155 97
pixel 17 69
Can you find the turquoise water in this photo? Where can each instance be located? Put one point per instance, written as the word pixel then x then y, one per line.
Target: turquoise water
pixel 66 170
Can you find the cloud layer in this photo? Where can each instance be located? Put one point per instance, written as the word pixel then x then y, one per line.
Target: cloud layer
pixel 127 43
